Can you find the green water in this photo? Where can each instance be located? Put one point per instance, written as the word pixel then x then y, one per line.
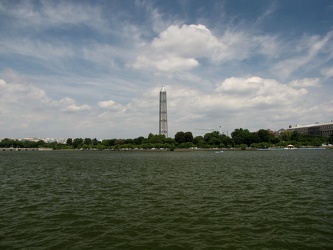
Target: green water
pixel 166 200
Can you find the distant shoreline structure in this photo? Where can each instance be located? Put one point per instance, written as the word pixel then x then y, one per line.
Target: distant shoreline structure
pixel 26 149
pixel 319 129
pixel 163 149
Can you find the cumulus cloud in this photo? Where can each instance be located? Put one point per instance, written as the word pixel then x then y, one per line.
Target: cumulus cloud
pixel 110 105
pixel 239 94
pixel 28 103
pixel 21 94
pixel 181 48
pixel 68 105
pixel 178 48
pixel 29 97
pixel 256 88
pixel 21 105
pixel 187 41
pixel 256 91
pixel 175 63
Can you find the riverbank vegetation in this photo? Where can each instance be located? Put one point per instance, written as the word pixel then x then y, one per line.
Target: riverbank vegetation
pixel 240 138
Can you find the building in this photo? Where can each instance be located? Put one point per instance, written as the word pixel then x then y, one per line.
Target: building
pixel 320 129
pixel 163 125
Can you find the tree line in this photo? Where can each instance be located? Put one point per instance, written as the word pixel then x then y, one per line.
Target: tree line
pixel 240 138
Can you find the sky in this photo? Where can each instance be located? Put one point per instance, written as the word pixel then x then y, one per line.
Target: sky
pixel 94 69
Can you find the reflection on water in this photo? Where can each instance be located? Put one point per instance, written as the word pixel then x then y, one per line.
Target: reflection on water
pixel 169 200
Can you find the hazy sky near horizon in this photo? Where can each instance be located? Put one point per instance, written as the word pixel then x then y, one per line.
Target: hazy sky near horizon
pixel 95 68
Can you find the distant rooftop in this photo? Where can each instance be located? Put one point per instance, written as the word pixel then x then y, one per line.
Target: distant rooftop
pixel 312 125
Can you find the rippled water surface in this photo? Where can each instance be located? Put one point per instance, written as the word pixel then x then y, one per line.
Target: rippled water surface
pixel 167 200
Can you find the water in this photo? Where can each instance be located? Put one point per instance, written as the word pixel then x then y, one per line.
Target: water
pixel 166 200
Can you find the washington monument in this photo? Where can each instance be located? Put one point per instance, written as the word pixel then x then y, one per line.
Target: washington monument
pixel 163 128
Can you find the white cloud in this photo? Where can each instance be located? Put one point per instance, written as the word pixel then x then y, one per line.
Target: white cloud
pixel 308 50
pixel 110 105
pixel 327 72
pixel 267 45
pixel 306 82
pixel 180 48
pixel 26 98
pixel 48 32
pixel 187 41
pixel 68 105
pixel 23 105
pixel 46 14
pixel 256 90
pixel 20 94
pixel 20 106
pixel 2 83
pixel 42 50
pixel 174 63
pixel 154 17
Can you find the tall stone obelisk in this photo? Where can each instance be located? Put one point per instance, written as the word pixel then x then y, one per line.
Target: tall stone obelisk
pixel 163 128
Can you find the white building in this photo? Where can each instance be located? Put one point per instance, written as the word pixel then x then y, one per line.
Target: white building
pixel 320 129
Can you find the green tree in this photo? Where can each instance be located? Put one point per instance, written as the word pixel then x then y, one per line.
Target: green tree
pixel 185 145
pixel 188 136
pixel 119 142
pixel 169 141
pixel 285 136
pixel 7 143
pixel 226 141
pixel 78 142
pixel 108 142
pixel 95 142
pixel 41 144
pixel 251 138
pixel 156 138
pixel 87 141
pixel 295 136
pixel 197 139
pixel 69 142
pixel 213 139
pixel 241 136
pixel 274 140
pixel 180 137
pixel 129 141
pixel 138 140
pixel 263 135
pixel 150 136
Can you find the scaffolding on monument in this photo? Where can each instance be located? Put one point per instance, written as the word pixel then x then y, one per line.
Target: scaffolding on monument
pixel 163 121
